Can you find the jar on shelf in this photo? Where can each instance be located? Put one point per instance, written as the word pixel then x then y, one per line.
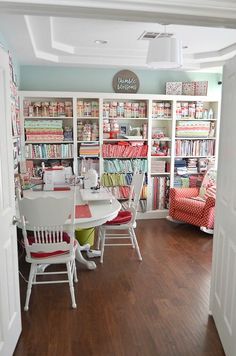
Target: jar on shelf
pixel 160 110
pixel 199 110
pixel 53 109
pixel 178 111
pixel 167 109
pixel 120 109
pixel 80 108
pixel 80 131
pixel 210 114
pixel 142 110
pixel 87 132
pixel 113 109
pixel 68 109
pixel 192 110
pixel 106 110
pixel 38 109
pixel 184 110
pixel 145 131
pixel 106 125
pixel 114 126
pixel 95 132
pixel 45 108
pixel 61 108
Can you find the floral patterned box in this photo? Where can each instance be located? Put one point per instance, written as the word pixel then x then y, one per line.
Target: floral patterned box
pixel 201 88
pixel 188 88
pixel 174 88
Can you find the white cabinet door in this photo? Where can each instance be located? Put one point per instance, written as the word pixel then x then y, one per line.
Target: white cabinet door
pixel 10 317
pixel 223 288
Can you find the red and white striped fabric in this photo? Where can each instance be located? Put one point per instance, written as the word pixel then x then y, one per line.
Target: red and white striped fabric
pixel 210 192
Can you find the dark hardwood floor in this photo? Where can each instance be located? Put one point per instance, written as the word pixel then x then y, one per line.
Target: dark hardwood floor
pixel 157 307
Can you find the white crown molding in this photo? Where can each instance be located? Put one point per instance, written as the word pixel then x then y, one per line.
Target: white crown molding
pixel 38 53
pixel 199 13
pixel 60 46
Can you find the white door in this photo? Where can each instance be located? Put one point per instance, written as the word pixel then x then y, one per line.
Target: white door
pixel 10 317
pixel 223 288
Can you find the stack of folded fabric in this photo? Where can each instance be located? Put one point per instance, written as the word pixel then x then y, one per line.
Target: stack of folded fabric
pixel 158 166
pixel 180 167
pixel 89 149
pixel 192 165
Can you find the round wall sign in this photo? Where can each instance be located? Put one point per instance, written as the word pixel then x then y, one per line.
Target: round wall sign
pixel 125 81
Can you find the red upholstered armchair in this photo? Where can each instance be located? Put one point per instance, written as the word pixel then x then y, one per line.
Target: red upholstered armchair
pixel 191 211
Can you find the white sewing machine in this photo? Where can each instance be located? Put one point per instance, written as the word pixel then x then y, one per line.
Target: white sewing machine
pixel 56 176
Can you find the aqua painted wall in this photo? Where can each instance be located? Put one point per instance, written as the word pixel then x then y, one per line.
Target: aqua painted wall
pixel 100 80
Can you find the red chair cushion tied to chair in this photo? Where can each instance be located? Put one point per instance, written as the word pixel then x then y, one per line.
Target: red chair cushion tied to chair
pixel 65 238
pixel 123 217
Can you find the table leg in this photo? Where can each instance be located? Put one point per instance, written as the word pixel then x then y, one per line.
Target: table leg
pixel 79 257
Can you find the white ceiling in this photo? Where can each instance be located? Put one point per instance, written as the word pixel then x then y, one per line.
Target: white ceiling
pixel 39 33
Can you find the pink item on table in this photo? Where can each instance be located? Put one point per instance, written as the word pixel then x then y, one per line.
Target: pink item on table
pixel 82 211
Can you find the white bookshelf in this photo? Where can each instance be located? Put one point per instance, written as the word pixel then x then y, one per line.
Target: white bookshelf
pixel 166 122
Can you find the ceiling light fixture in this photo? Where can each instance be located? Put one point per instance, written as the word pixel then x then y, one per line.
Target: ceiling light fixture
pixel 165 53
pixel 100 41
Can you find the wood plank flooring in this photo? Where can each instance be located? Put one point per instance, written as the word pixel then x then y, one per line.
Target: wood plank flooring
pixel 157 307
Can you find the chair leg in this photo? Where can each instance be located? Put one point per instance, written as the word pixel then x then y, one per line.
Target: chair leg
pixel 72 291
pixel 131 238
pixel 136 244
pixel 74 271
pixel 29 287
pixel 103 238
pixel 99 239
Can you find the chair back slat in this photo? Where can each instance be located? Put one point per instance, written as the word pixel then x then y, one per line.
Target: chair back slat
pixel 136 190
pixel 46 218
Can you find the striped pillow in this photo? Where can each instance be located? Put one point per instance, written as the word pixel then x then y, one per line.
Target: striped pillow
pixel 210 192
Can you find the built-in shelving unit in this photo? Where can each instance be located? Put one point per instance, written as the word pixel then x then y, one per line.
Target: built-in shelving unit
pixel 117 134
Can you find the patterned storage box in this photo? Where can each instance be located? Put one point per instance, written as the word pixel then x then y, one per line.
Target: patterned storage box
pixel 174 88
pixel 201 88
pixel 188 88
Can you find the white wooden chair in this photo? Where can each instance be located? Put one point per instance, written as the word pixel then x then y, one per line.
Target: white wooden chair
pixel 125 222
pixel 47 243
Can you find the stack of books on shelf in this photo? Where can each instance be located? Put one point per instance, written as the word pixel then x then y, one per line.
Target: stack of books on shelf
pixel 125 166
pixel 161 187
pixel 195 147
pixel 126 150
pixel 89 149
pixel 114 109
pixel 158 166
pixel 87 108
pixel 44 130
pixel 193 128
pixel 51 108
pixel 46 151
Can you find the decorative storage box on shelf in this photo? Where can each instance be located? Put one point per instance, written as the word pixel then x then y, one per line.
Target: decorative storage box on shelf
pixel 173 139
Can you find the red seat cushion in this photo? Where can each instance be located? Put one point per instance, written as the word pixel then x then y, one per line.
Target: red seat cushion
pixel 123 217
pixel 65 237
pixel 190 206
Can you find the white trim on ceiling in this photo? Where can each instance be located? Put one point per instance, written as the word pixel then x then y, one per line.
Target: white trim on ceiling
pixel 214 13
pixel 59 45
pixel 38 53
